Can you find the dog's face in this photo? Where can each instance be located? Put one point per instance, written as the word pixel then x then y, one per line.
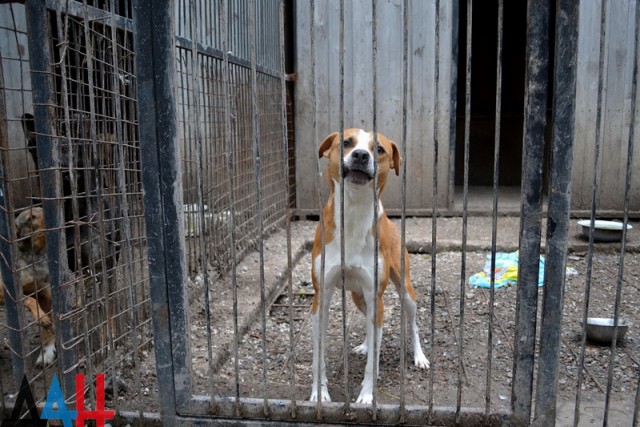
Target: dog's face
pixel 358 152
pixel 30 233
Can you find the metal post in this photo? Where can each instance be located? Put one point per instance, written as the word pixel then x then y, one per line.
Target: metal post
pixel 465 203
pixel 494 219
pixel 11 294
pixel 559 208
pixel 623 247
pixel 50 182
pixel 531 206
pixel 162 180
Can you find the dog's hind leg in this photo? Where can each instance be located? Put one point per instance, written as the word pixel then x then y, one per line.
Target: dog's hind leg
pixel 410 308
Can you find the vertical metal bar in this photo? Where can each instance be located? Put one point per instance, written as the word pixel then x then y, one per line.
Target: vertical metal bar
pixel 376 285
pixel 636 408
pixel 195 113
pixel 453 98
pixel 3 408
pixel 625 220
pixel 494 219
pixel 258 182
pixel 285 160
pixel 321 284
pixel 228 138
pixel 564 87
pixel 531 206
pixel 63 37
pixel 602 75
pixel 43 102
pixel 403 207
pixel 465 202
pixel 92 184
pixel 123 203
pixel 12 293
pixel 434 204
pixel 154 26
pixel 343 290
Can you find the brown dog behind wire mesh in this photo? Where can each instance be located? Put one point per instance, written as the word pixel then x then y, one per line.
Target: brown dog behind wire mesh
pixel 32 269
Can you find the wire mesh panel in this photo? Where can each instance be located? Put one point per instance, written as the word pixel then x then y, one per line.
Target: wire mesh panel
pixel 201 114
pixel 81 146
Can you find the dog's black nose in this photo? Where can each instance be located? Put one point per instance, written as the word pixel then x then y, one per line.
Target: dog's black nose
pixel 360 157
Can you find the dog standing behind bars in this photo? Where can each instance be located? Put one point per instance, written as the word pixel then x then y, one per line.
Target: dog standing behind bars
pixel 357 177
pixel 33 271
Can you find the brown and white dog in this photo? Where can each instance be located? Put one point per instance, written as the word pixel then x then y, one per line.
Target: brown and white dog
pixel 357 177
pixel 31 265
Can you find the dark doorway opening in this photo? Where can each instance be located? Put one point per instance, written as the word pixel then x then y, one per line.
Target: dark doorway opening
pixel 483 93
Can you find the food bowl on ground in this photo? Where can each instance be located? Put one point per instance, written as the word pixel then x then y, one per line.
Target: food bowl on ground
pixel 601 330
pixel 603 231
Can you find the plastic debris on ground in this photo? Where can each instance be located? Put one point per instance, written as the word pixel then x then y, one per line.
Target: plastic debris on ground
pixel 506 271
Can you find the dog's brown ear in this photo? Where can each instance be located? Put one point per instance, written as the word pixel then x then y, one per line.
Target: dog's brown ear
pixel 397 160
pixel 325 147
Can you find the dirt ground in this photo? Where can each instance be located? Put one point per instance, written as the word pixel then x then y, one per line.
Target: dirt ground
pixel 287 373
pixel 281 335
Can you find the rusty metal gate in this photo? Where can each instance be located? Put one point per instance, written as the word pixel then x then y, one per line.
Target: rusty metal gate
pixel 217 258
pixel 73 232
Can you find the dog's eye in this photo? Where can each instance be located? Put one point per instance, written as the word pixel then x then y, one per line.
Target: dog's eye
pixel 346 143
pixel 380 149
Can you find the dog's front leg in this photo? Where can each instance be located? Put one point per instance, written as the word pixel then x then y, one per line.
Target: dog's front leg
pixel 319 348
pixel 373 357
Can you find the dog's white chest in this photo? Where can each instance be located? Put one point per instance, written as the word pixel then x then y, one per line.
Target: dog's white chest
pixel 359 246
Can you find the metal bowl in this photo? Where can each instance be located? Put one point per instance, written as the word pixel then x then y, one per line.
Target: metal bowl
pixel 601 329
pixel 603 231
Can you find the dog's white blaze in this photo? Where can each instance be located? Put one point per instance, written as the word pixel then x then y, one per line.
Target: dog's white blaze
pixel 363 140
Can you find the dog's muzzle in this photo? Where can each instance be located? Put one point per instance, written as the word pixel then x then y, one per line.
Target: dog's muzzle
pixel 357 169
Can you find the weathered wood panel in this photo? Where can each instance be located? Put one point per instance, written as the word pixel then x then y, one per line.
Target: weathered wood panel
pixel 358 95
pixel 616 106
pixel 15 87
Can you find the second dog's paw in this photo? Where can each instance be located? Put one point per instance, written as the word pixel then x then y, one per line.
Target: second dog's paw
pixel 46 322
pixel 365 398
pixel 361 349
pixel 324 395
pixel 46 356
pixel 421 361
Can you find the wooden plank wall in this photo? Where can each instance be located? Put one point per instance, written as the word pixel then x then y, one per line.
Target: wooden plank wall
pixel 616 106
pixel 358 96
pixel 15 88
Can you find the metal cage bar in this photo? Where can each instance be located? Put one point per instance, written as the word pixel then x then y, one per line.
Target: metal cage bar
pixel 531 207
pixel 559 207
pixel 154 25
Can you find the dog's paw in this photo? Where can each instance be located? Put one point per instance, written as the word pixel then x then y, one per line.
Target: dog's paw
pixel 365 398
pixel 421 361
pixel 361 349
pixel 46 356
pixel 324 395
pixel 45 321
